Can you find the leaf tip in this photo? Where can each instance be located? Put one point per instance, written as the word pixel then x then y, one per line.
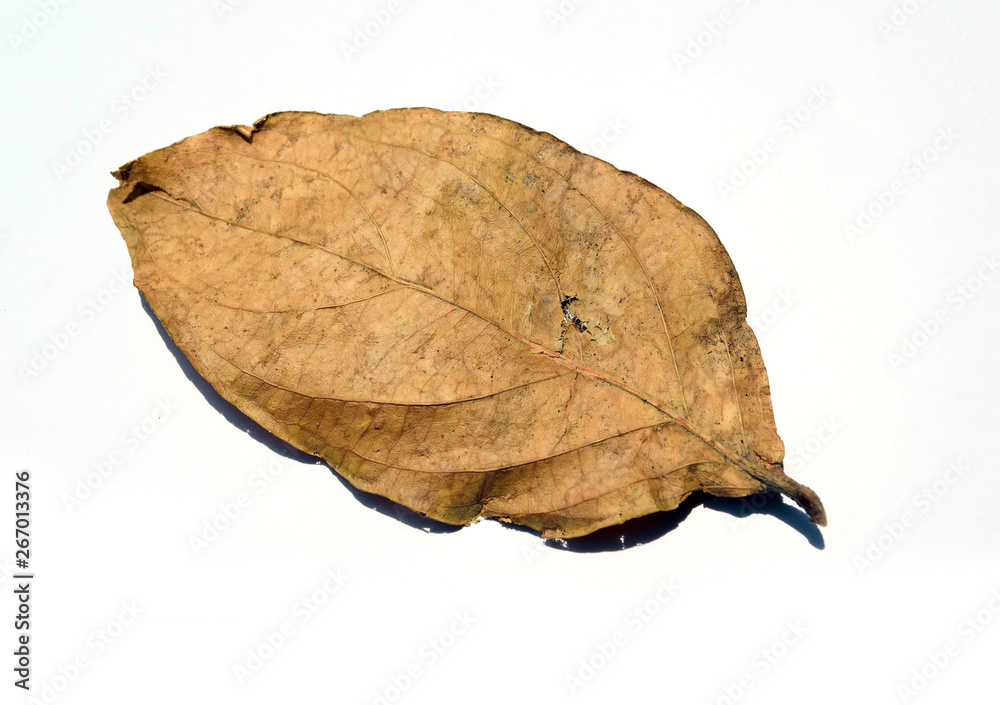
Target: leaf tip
pixel 808 500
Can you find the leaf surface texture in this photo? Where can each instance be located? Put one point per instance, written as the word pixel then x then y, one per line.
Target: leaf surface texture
pixel 459 313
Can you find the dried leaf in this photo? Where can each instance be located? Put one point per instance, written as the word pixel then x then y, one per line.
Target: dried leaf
pixel 459 313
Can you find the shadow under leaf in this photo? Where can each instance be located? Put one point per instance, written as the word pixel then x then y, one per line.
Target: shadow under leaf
pixel 645 529
pixel 772 504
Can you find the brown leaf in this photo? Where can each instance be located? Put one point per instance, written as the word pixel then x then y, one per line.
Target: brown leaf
pixel 459 313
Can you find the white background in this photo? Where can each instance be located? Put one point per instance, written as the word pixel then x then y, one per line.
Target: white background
pixel 764 608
